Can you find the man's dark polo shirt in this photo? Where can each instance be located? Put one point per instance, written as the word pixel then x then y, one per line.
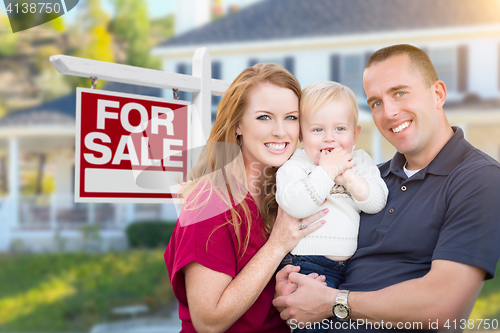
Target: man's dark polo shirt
pixel 448 210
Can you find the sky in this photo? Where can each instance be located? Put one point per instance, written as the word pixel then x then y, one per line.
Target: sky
pixel 156 8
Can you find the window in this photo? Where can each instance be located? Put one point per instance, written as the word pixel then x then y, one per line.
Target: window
pixel 352 73
pixel 252 62
pixel 216 74
pixel 348 70
pixel 288 62
pixel 335 68
pixel 463 68
pixel 444 62
pixel 452 66
pixel 499 67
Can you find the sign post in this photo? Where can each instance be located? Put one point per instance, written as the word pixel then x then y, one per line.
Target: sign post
pixel 133 148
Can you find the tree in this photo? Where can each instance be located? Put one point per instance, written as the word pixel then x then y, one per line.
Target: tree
pixel 8 40
pixel 95 41
pixel 131 25
pixel 162 28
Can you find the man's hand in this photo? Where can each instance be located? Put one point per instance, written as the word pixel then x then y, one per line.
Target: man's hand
pixel 311 302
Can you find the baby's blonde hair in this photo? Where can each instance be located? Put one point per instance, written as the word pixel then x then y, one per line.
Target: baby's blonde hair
pixel 316 96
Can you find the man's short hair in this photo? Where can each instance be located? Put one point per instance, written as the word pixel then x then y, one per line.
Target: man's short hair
pixel 419 60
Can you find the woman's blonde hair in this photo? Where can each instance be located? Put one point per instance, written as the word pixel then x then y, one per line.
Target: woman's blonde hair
pixel 317 95
pixel 220 167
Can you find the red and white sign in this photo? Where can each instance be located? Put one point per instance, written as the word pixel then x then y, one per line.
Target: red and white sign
pixel 129 148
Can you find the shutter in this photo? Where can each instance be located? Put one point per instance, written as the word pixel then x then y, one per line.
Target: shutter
pixel 335 68
pixel 290 64
pixel 216 74
pixel 252 62
pixel 463 68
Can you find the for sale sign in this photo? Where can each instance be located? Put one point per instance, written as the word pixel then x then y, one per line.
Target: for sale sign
pixel 129 148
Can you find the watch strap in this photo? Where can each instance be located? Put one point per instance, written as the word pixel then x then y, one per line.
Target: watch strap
pixel 342 297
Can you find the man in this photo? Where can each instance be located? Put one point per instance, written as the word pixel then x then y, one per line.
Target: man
pixel 424 258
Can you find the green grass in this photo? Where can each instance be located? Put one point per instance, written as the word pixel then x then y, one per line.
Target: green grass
pixel 70 292
pixel 73 291
pixel 488 302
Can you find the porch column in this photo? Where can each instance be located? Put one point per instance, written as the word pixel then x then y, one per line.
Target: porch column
pixel 14 181
pixel 376 146
pixel 130 213
pixel 168 212
pixel 9 209
pixel 4 226
pixel 53 213
pixel 91 213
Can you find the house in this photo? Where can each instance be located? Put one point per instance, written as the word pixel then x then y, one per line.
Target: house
pixel 331 40
pixel 40 141
pixel 315 40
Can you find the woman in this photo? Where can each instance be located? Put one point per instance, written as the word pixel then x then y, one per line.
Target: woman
pixel 230 236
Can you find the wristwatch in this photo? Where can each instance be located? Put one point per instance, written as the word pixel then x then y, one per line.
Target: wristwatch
pixel 341 309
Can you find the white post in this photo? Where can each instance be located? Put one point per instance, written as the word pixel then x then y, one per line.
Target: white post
pixel 91 213
pixel 14 181
pixel 118 215
pixel 121 211
pixel 130 215
pixel 202 99
pixel 376 146
pixel 4 225
pixel 9 209
pixel 168 212
pixel 53 212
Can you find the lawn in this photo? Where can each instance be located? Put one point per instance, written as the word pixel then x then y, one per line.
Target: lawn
pixel 70 292
pixel 488 302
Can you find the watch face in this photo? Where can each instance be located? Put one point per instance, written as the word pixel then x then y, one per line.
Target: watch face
pixel 341 311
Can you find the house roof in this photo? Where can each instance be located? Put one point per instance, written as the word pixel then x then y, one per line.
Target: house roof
pixel 289 19
pixel 62 111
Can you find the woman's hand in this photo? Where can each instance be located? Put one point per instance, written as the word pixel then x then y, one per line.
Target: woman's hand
pixel 287 230
pixel 225 299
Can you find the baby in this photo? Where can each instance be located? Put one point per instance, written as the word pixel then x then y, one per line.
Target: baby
pixel 327 173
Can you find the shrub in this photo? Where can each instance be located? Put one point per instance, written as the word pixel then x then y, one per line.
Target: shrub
pixel 149 234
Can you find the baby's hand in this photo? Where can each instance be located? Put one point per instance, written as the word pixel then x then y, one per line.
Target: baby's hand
pixel 345 177
pixel 336 162
pixel 289 288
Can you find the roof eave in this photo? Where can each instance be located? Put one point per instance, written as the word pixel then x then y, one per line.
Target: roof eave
pixel 329 42
pixel 19 131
